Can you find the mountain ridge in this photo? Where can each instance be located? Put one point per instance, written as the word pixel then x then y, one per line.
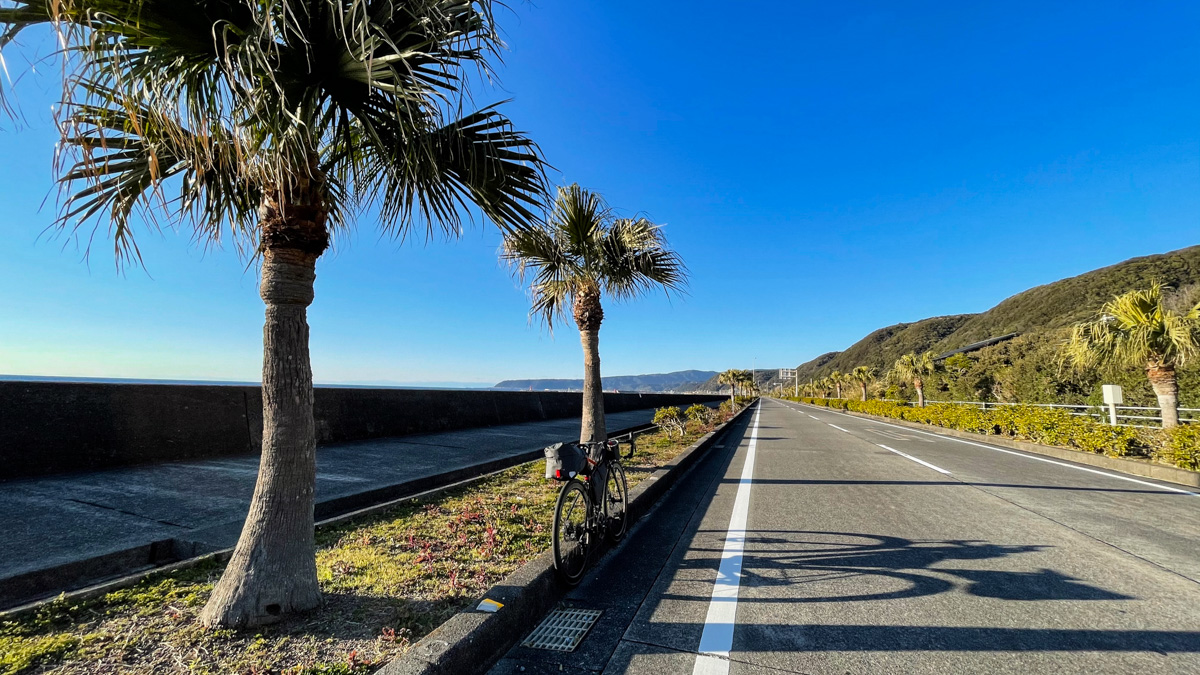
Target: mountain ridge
pixel 680 380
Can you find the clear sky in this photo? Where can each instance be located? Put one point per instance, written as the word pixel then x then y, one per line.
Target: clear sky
pixel 825 168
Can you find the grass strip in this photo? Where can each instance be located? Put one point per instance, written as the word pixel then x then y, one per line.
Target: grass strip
pixel 389 579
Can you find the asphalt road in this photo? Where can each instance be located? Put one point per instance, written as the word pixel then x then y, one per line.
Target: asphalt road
pixel 816 542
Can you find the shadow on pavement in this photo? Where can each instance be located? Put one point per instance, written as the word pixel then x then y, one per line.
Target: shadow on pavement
pixel 897 568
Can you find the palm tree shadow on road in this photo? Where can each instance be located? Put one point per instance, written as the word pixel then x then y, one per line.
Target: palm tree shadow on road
pixel 884 567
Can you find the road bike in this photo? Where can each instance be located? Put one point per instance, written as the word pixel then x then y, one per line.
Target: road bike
pixel 591 504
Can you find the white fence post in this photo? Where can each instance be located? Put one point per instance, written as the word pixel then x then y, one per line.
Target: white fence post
pixel 1113 396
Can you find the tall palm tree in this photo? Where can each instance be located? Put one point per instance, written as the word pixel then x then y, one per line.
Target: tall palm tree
pixel 863 376
pixel 835 379
pixel 746 379
pixel 730 377
pixel 914 368
pixel 278 123
pixel 1135 329
pixel 579 253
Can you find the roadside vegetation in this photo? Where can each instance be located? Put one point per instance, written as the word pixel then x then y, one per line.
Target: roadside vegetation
pixel 1145 340
pixel 388 579
pixel 1179 446
pixel 1028 368
pixel 1149 330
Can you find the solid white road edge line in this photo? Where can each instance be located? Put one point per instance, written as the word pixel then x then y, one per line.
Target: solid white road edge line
pixel 1028 456
pixel 918 461
pixel 717 638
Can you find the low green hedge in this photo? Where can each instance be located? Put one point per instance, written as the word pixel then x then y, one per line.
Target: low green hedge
pixel 1048 426
pixel 1181 447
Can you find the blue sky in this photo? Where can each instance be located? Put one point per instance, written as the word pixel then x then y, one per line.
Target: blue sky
pixel 824 168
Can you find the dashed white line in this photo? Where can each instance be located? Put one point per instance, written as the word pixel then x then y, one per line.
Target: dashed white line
pixel 837 427
pixel 1035 458
pixel 918 461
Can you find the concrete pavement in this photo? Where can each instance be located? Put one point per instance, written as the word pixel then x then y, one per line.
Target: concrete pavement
pixel 872 548
pixel 70 530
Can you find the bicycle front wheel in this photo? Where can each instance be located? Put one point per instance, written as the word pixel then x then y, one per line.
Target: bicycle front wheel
pixel 572 532
pixel 616 501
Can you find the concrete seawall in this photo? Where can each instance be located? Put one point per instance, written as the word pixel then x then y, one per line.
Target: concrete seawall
pixel 58 427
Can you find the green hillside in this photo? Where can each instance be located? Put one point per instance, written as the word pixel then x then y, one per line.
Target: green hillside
pixel 1075 299
pixel 1024 369
pixel 881 348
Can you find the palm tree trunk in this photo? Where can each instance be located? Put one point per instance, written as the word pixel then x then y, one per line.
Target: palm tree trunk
pixel 273 570
pixel 1166 388
pixel 593 429
pixel 920 387
pixel 863 385
pixel 588 316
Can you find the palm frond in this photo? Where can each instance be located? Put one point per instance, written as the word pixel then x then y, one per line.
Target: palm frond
pixel 578 216
pixel 125 153
pixel 367 92
pixel 1135 329
pixel 634 260
pixel 580 245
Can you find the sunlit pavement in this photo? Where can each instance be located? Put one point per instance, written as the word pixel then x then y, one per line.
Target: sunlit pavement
pixel 871 548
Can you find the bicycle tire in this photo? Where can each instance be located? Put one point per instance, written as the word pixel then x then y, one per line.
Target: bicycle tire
pixel 572 532
pixel 616 491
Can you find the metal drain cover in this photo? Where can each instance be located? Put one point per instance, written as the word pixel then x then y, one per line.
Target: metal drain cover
pixel 562 630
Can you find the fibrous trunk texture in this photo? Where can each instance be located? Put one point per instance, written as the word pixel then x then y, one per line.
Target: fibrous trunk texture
pixel 863 386
pixel 588 317
pixel 1166 388
pixel 920 387
pixel 273 570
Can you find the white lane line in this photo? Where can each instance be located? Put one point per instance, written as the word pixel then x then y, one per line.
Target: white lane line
pixel 918 461
pixel 837 427
pixel 1035 458
pixel 717 638
pixel 815 418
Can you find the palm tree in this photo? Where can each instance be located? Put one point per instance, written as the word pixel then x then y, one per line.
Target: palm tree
pixel 863 376
pixel 580 252
pixel 730 377
pixel 913 368
pixel 746 379
pixel 278 123
pixel 1135 329
pixel 835 379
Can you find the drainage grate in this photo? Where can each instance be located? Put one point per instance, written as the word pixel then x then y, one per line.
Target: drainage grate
pixel 563 630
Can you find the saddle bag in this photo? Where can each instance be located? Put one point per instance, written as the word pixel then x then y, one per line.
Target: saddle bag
pixel 564 461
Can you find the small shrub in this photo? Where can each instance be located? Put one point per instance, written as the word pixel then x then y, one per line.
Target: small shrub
pixel 700 415
pixel 1181 447
pixel 669 421
pixel 1048 426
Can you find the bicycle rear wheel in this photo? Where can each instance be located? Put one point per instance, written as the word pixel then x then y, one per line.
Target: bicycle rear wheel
pixel 572 532
pixel 616 501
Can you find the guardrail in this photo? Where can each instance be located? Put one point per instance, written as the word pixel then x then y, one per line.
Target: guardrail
pixel 1186 415
pixel 1139 419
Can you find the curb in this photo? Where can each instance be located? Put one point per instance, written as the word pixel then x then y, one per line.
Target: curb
pixel 1144 468
pixel 471 641
pixel 332 512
